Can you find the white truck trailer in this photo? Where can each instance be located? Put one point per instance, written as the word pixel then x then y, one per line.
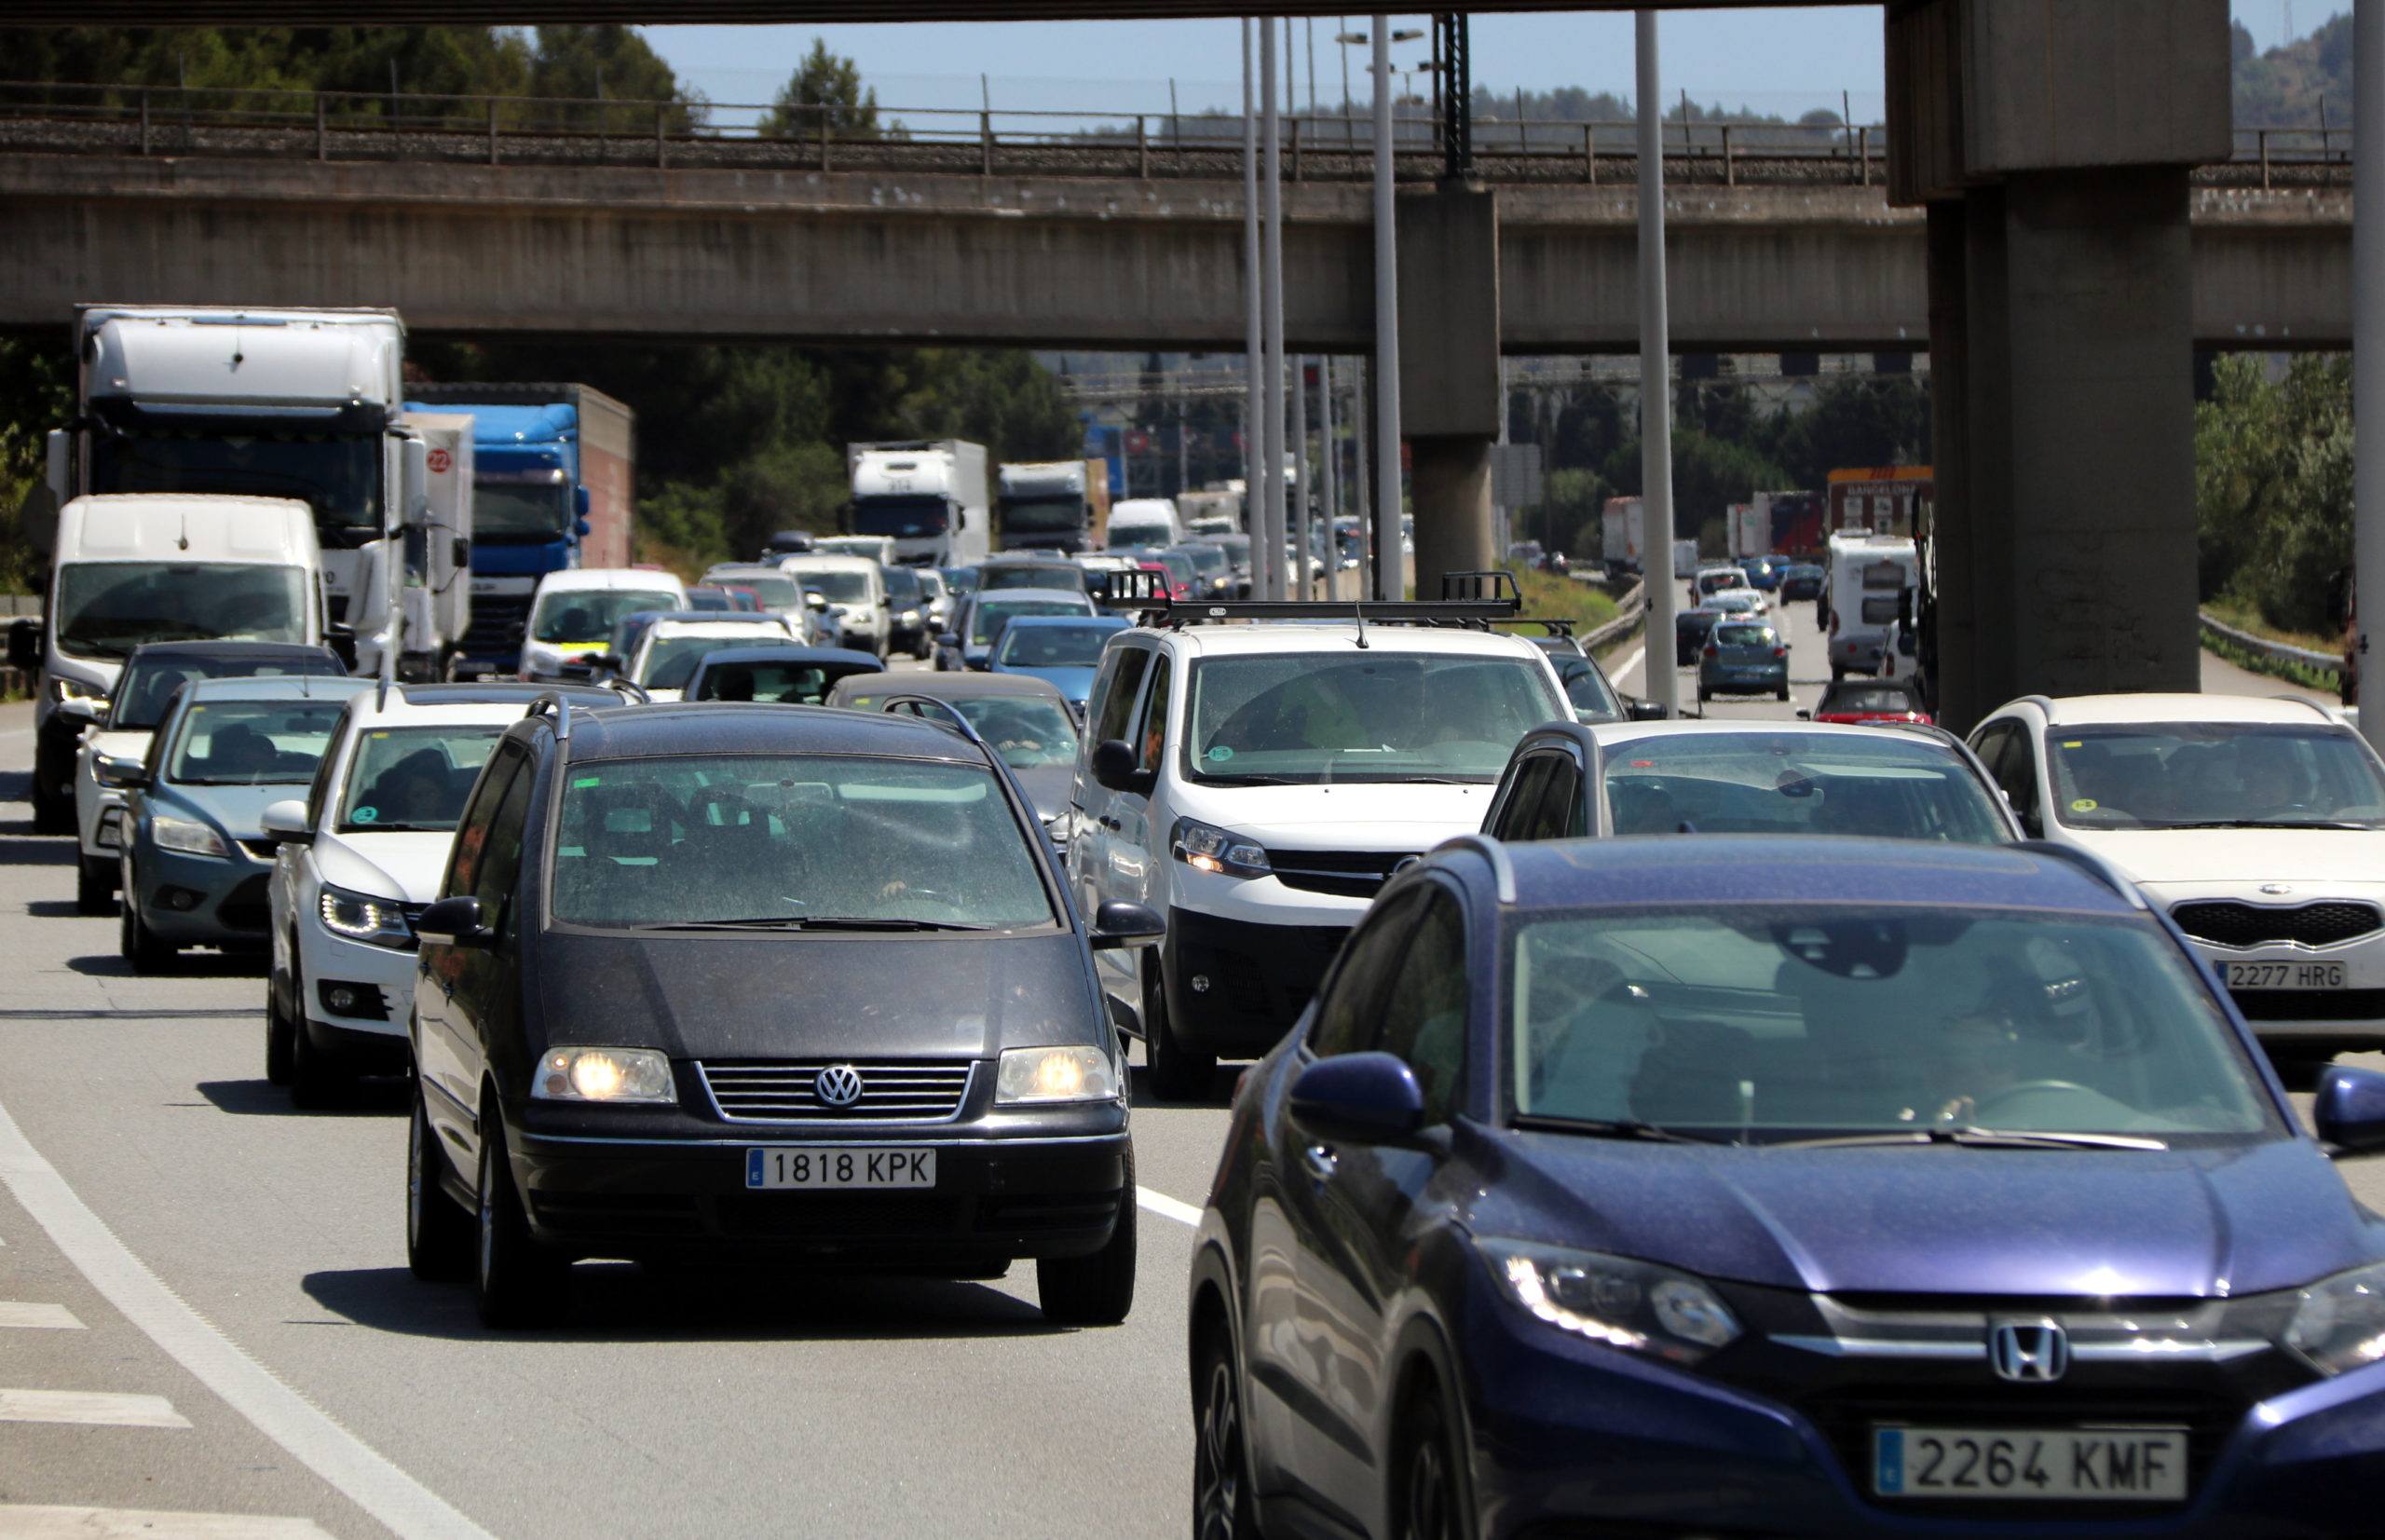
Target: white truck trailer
pixel 930 496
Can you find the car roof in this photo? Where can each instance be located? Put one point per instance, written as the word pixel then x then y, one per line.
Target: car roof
pixel 401 712
pixel 154 651
pixel 710 623
pixel 596 578
pixel 277 686
pixel 2092 710
pixel 1276 636
pixel 723 657
pixel 742 569
pixel 1799 870
pixel 1030 623
pixel 952 686
pixel 737 726
pixel 828 561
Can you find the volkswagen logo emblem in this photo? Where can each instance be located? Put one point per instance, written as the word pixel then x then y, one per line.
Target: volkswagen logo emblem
pixel 2277 887
pixel 837 1085
pixel 2028 1351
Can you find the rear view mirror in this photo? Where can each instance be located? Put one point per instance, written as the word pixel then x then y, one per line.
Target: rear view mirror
pixel 454 922
pixel 950 639
pixel 284 823
pixel 24 644
pixel 1644 710
pixel 1118 923
pixel 460 552
pixel 77 708
pixel 2349 1111
pixel 580 506
pixel 1113 766
pixel 121 774
pixel 814 599
pixel 1363 1098
pixel 1804 714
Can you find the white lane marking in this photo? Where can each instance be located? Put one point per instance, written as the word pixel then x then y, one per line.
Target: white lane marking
pixel 50 1523
pixel 19 732
pixel 1167 1207
pixel 1631 663
pixel 97 1408
pixel 55 1317
pixel 405 1507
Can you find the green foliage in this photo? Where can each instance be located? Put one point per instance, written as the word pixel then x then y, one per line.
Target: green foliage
pixel 37 394
pixel 823 84
pixel 2273 483
pixel 2289 86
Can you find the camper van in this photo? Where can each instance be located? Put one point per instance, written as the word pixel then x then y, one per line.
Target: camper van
pixel 1864 582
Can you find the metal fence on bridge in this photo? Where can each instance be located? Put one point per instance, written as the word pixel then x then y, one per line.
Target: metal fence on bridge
pixel 356 125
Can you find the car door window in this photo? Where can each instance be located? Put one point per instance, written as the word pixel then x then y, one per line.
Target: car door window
pixel 1151 730
pixel 499 871
pixel 1521 808
pixel 2016 771
pixel 1423 1016
pixel 473 829
pixel 1121 677
pixel 1560 806
pixel 1352 1010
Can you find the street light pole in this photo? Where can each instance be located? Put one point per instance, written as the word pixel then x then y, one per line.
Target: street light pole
pixel 1390 577
pixel 1655 384
pixel 1254 412
pixel 1271 471
pixel 2368 349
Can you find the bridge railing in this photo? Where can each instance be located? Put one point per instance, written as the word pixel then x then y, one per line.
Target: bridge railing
pixel 249 122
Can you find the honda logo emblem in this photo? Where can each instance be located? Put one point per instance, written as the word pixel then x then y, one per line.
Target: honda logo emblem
pixel 2028 1351
pixel 837 1085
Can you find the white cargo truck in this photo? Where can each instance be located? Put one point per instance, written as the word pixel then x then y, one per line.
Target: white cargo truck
pixel 930 496
pixel 1623 527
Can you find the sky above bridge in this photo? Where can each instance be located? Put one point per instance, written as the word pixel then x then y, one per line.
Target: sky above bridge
pixel 1784 61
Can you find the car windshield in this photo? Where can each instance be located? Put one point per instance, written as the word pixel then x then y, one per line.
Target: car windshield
pixel 774 591
pixel 837 585
pixel 1027 730
pixel 521 507
pixel 254 742
pixel 339 475
pixel 1762 1024
pixel 1745 635
pixel 2180 774
pixel 1855 700
pixel 1205 558
pixel 148 685
pixel 414 779
pixel 987 619
pixel 903 587
pixel 691 839
pixel 671 660
pixel 1733 601
pixel 905 518
pixel 579 614
pixel 782 683
pixel 1592 698
pixel 105 610
pixel 1312 717
pixel 1061 577
pixel 1883 784
pixel 1054 646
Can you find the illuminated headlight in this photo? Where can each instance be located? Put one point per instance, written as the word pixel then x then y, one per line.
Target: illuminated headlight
pixel 1213 849
pixel 1612 1300
pixel 360 918
pixel 1055 1075
pixel 910 617
pixel 2339 1322
pixel 63 689
pixel 189 837
pixel 603 1074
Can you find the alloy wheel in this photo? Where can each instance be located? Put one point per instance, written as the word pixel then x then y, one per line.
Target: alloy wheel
pixel 1218 1478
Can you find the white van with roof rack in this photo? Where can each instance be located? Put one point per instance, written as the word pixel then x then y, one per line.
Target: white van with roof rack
pixel 1256 784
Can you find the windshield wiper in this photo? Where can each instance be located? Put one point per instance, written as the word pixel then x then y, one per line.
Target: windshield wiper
pixel 1256 781
pixel 2269 823
pixel 814 922
pixel 397 828
pixel 1611 1128
pixel 1977 1138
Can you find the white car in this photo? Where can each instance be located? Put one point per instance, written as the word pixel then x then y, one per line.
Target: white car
pixel 573 614
pixel 855 589
pixel 358 861
pixel 2259 825
pixel 779 595
pixel 1256 784
pixel 668 652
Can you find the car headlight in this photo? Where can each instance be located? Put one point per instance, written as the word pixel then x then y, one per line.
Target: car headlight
pixel 188 837
pixel 1055 1075
pixel 65 689
pixel 1213 849
pixel 603 1074
pixel 2340 1323
pixel 910 617
pixel 378 920
pixel 1613 1300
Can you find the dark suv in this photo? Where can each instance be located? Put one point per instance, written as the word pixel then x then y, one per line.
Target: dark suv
pixel 728 982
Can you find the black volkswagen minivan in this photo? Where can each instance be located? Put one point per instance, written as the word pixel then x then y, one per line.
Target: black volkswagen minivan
pixel 731 983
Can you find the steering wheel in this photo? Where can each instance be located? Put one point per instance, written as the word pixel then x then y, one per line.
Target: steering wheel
pixel 2010 1093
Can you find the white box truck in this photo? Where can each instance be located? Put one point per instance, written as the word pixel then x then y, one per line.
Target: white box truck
pixel 930 496
pixel 1623 527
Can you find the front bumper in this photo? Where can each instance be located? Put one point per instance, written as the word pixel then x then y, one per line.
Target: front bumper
pixel 201 900
pixel 379 982
pixel 1234 986
pixel 1008 1186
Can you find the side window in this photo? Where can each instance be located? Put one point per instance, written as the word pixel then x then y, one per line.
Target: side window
pixel 2015 769
pixel 318 794
pixel 500 856
pixel 1568 813
pixel 1151 732
pixel 1121 678
pixel 1520 811
pixel 1353 1004
pixel 471 830
pixel 1423 1019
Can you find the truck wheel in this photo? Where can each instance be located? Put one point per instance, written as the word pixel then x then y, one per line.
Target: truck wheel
pixel 95 886
pixel 1178 1073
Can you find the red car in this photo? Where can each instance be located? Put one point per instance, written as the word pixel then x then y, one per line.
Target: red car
pixel 1861 700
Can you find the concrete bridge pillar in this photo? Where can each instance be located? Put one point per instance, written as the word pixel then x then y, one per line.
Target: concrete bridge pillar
pixel 1449 372
pixel 2051 145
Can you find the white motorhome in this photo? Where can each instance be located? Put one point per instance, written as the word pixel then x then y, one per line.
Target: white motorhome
pixel 1144 521
pixel 167 566
pixel 1864 581
pixel 932 498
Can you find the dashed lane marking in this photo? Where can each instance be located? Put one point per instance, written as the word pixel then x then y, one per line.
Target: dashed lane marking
pixel 404 1505
pixel 94 1408
pixel 21 1522
pixel 1167 1207
pixel 52 1317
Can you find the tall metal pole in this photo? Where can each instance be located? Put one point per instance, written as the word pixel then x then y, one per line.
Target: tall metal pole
pixel 1254 410
pixel 1390 578
pixel 1271 267
pixel 1328 454
pixel 2368 355
pixel 1361 498
pixel 1300 479
pixel 1655 382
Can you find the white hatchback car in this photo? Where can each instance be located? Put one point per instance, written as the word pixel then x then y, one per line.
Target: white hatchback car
pixel 668 650
pixel 359 859
pixel 2259 825
pixel 1256 784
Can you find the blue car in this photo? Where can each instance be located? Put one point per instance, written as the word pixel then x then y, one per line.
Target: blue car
pixel 1062 649
pixel 196 864
pixel 1764 572
pixel 1790 1187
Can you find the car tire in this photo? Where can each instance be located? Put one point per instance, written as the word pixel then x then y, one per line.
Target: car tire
pixel 1097 1289
pixel 1782 693
pixel 318 1082
pixel 1427 1499
pixel 1836 673
pixel 280 1041
pixel 137 942
pixel 1178 1073
pixel 514 1282
pixel 439 1230
pixel 94 886
pixel 53 811
pixel 1224 1506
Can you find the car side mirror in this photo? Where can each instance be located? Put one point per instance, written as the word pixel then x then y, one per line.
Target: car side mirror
pixel 454 922
pixel 950 639
pixel 582 528
pixel 605 663
pixel 1804 714
pixel 814 599
pixel 284 823
pixel 580 506
pixel 2348 1111
pixel 1367 1098
pixel 1646 711
pixel 1119 923
pixel 1113 768
pixel 460 552
pixel 517 632
pixel 24 644
pixel 79 708
pixel 120 774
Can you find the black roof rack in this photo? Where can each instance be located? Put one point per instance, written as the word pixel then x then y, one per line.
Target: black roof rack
pixel 1467 599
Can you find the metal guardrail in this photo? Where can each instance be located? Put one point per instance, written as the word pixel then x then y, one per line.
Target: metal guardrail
pixel 1630 610
pixel 2323 663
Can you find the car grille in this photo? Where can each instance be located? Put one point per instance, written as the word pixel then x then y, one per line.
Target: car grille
pixel 900 1090
pixel 2309 1004
pixel 1350 873
pixel 497 622
pixel 2225 923
pixel 248 906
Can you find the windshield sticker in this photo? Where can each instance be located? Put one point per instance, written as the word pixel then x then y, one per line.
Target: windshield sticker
pixel 2070 742
pixel 2083 804
pixel 363 815
pixel 587 780
pixel 1221 753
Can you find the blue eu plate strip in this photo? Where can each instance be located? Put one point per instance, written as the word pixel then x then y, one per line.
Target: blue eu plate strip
pixel 1887 1461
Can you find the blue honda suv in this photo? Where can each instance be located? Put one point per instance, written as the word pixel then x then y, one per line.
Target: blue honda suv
pixel 1805 1187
